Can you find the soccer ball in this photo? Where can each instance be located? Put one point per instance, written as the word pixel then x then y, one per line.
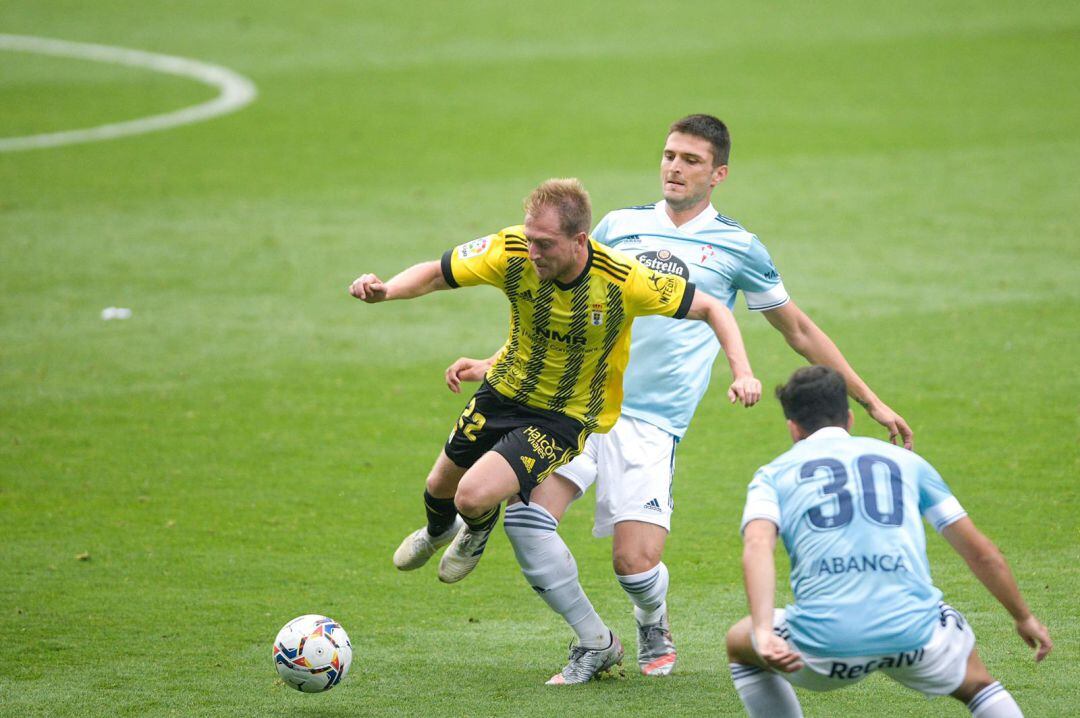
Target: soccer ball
pixel 312 653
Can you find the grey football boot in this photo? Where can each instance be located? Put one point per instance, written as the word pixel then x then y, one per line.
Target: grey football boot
pixel 419 546
pixel 587 663
pixel 655 649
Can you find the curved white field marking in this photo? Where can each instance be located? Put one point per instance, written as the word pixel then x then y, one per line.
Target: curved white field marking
pixel 236 91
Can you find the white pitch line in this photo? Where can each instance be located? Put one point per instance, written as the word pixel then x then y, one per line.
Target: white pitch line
pixel 236 91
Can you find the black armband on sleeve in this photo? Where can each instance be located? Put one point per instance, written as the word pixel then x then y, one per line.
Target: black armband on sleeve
pixel 687 300
pixel 447 270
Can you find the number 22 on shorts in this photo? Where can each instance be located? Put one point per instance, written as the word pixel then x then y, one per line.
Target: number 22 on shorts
pixel 471 421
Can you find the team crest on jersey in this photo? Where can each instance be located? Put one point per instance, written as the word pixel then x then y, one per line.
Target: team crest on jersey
pixel 597 315
pixel 707 252
pixel 474 248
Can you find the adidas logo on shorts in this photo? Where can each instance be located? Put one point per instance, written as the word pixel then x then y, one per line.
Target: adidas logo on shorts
pixel 653 505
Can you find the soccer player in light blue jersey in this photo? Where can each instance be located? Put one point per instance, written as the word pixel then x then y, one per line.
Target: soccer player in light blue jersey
pixel 849 510
pixel 633 466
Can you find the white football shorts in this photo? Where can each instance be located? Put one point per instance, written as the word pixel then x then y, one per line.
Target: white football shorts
pixel 936 669
pixel 633 467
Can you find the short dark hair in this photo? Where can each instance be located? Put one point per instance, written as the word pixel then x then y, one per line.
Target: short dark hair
pixel 815 397
pixel 708 128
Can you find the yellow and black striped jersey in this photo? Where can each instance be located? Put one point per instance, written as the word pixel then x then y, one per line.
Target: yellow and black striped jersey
pixel 568 343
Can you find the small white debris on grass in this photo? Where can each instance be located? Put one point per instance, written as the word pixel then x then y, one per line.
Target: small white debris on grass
pixel 115 313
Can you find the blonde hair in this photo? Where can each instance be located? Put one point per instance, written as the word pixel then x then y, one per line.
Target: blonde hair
pixel 567 197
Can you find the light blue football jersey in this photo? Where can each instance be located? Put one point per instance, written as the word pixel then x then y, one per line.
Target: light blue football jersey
pixel 849 510
pixel 671 361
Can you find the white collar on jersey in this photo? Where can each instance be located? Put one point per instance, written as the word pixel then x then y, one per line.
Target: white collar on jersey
pixel 707 215
pixel 829 432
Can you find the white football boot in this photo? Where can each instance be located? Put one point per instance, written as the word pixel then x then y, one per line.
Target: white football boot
pixel 463 554
pixel 419 546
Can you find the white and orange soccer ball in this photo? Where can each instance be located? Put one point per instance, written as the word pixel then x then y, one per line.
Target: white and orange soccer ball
pixel 312 653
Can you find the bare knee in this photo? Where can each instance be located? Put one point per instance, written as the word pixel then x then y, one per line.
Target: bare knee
pixel 555 494
pixel 740 649
pixel 975 679
pixel 442 480
pixel 730 642
pixel 628 561
pixel 439 486
pixel 970 688
pixel 472 501
pixel 637 547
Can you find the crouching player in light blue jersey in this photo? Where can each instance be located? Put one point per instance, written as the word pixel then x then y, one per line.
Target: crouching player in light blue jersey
pixel 849 510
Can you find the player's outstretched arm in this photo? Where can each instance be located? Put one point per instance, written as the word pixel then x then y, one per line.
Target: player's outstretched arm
pixel 416 281
pixel 807 339
pixel 745 387
pixel 759 577
pixel 467 369
pixel 989 566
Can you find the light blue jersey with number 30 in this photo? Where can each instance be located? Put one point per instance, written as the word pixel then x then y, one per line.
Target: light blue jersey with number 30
pixel 849 510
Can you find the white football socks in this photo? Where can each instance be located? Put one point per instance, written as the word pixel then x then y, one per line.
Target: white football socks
pixel 994 702
pixel 648 592
pixel 551 570
pixel 764 694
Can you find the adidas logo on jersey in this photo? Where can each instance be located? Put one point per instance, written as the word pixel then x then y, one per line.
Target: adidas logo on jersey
pixel 526 296
pixel 653 505
pixel 529 462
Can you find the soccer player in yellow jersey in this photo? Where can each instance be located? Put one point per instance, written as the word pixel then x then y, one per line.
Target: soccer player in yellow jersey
pixel 559 376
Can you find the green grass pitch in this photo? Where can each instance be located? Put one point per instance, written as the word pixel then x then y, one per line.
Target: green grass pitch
pixel 250 445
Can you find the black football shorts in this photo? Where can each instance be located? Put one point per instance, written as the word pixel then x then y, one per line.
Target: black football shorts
pixel 534 441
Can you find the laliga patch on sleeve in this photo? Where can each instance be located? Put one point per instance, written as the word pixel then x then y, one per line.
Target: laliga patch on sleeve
pixel 474 248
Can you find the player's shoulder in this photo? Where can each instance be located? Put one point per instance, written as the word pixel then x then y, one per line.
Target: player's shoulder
pixel 636 208
pixel 730 224
pixel 844 449
pixel 629 218
pixel 722 229
pixel 494 246
pixel 781 463
pixel 905 458
pixel 835 445
pixel 868 444
pixel 512 239
pixel 611 263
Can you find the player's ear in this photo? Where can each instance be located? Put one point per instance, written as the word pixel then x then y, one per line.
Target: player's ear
pixel 796 431
pixel 719 174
